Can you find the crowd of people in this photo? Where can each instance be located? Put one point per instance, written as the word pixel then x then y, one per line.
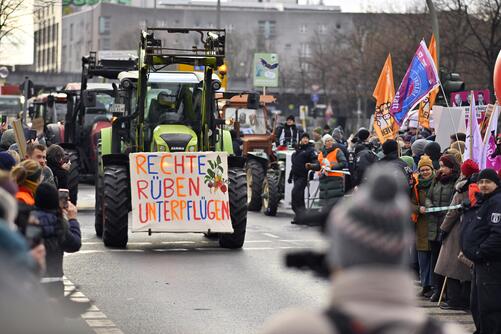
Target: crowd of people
pixel 38 224
pixel 455 208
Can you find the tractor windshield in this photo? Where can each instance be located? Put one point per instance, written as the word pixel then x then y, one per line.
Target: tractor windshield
pixel 170 102
pixel 103 103
pixel 10 105
pixel 251 121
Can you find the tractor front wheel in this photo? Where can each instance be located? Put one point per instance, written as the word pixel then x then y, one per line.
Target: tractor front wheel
pixel 116 206
pixel 238 210
pixel 255 176
pixel 271 193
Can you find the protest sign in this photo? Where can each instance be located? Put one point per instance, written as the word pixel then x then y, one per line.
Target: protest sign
pixel 463 99
pixel 180 192
pixel 447 122
pixel 20 138
pixel 489 158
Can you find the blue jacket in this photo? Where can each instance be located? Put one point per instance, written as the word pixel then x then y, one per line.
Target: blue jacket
pixel 59 236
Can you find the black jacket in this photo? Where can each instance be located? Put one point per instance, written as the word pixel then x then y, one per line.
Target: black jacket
pixel 288 135
pixel 364 157
pixel 304 154
pixel 59 236
pixel 481 235
pixel 393 159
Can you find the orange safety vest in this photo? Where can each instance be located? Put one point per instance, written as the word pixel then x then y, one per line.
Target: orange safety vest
pixel 328 161
pixel 415 215
pixel 25 197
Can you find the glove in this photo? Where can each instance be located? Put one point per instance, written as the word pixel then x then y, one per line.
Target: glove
pixel 442 235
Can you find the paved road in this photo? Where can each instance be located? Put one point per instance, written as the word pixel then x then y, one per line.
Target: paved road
pixel 184 283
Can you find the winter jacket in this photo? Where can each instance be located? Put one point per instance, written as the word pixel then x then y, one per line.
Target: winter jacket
pixel 393 159
pixel 440 194
pixel 60 177
pixel 481 235
pixel 418 199
pixel 14 247
pixel 303 154
pixel 48 176
pixel 448 263
pixel 288 135
pixel 59 236
pixel 364 158
pixel 25 195
pixel 372 296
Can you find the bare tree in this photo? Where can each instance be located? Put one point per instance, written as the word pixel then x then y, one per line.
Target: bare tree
pixel 8 15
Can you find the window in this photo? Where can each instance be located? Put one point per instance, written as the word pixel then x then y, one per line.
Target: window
pixel 305 51
pixel 104 25
pixel 229 28
pixel 105 44
pixel 322 29
pixel 267 29
pixel 305 67
pixel 303 28
pixel 71 32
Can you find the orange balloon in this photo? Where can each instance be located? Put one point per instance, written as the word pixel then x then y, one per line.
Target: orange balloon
pixel 497 78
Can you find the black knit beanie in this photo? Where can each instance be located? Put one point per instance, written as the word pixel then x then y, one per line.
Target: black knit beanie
pixel 390 146
pixel 47 197
pixel 489 174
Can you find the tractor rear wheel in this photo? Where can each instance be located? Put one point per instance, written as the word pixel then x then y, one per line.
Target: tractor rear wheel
pixel 255 176
pixel 238 210
pixel 116 206
pixel 73 174
pixel 271 193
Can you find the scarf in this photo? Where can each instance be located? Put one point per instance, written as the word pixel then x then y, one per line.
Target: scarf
pixel 425 183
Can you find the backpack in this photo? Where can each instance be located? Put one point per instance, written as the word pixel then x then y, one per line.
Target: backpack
pixel 344 324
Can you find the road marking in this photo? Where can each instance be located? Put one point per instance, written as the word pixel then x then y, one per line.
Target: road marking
pixel 271 235
pixel 126 250
pixel 291 247
pixel 256 241
pixel 170 250
pixel 177 242
pixel 313 240
pixel 94 318
pixel 259 248
pixel 209 249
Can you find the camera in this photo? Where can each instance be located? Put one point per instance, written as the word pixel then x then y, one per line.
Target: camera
pixel 64 196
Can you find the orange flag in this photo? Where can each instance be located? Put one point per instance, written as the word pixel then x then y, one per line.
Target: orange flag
pixel 427 104
pixel 384 124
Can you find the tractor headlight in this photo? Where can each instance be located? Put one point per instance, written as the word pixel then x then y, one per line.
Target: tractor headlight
pixel 162 148
pixel 191 148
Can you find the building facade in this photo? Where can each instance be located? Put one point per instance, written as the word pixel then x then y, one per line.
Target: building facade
pixel 48 37
pixel 283 28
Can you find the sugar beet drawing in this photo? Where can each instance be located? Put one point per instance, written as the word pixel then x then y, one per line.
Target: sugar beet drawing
pixel 214 177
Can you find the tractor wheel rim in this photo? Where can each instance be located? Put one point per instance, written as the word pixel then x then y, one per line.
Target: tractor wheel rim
pixel 249 185
pixel 266 192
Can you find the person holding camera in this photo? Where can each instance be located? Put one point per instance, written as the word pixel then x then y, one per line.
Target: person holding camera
pixel 304 154
pixel 371 288
pixel 61 233
pixel 58 161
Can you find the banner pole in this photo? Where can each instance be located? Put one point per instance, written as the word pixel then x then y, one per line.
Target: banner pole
pixel 450 112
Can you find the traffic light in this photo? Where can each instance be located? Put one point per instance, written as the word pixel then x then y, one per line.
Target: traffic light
pixel 451 82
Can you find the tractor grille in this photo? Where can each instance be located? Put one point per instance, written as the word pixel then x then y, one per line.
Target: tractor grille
pixel 177 142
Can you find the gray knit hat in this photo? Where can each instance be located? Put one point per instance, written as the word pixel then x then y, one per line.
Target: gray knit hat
pixel 418 146
pixel 372 227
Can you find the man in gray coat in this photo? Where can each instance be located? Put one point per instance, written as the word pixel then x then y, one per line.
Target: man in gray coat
pixel 371 286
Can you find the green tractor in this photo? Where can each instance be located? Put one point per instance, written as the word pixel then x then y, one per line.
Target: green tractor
pixel 172 113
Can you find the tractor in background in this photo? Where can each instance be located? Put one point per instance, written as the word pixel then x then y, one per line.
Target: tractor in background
pixel 88 112
pixel 157 110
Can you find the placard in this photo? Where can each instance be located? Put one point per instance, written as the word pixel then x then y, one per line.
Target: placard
pixel 180 192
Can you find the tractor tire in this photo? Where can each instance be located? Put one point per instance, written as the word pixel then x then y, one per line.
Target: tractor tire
pixel 255 176
pixel 116 206
pixel 238 210
pixel 271 193
pixel 98 213
pixel 73 175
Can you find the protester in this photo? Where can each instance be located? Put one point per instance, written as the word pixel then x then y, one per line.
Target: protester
pixel 459 146
pixel 390 151
pixel 288 134
pixel 304 154
pixel 338 136
pixel 371 289
pixel 7 162
pixel 60 235
pixel 364 156
pixel 460 136
pixel 409 161
pixel 421 187
pixel 417 149
pixel 58 162
pixel 330 161
pixel 8 138
pixel 481 243
pixel 448 263
pixel 317 137
pixel 38 152
pixel 326 130
pixel 440 195
pixel 433 150
pixel 28 175
pixel 457 155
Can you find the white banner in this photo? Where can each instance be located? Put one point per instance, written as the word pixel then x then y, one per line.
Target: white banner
pixel 180 192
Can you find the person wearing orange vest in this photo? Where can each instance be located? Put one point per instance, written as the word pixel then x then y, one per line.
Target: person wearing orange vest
pixel 422 183
pixel 331 160
pixel 28 175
